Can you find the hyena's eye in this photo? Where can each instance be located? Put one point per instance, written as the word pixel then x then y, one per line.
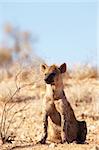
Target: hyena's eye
pixel 45 74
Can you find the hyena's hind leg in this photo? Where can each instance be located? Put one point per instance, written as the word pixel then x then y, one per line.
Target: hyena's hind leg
pixel 82 132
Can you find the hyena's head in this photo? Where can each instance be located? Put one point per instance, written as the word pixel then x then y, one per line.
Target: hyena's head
pixel 52 73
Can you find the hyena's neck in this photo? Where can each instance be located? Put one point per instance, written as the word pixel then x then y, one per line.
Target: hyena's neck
pixel 55 91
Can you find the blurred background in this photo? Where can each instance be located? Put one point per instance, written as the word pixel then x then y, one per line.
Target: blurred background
pixel 33 32
pixel 51 32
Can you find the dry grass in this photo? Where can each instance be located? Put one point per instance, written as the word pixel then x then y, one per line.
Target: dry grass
pixel 82 90
pixel 82 72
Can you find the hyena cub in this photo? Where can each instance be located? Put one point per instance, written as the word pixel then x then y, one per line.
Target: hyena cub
pixel 59 121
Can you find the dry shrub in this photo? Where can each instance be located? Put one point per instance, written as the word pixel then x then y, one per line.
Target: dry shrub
pixel 5 56
pixel 6 118
pixel 26 75
pixel 85 71
pixel 79 91
pixel 9 113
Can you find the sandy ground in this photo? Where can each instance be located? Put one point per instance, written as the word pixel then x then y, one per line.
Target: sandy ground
pixel 26 125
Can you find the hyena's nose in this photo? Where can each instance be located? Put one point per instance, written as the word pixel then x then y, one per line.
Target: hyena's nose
pixel 49 78
pixel 46 79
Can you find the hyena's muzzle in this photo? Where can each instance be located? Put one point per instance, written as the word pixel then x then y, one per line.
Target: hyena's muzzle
pixel 49 78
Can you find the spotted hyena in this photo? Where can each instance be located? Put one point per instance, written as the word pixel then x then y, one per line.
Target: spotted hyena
pixel 59 121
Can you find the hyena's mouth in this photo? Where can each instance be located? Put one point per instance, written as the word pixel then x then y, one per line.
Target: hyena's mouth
pixel 49 79
pixel 49 82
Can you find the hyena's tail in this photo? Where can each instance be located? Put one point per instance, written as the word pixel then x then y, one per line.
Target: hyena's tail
pixel 82 132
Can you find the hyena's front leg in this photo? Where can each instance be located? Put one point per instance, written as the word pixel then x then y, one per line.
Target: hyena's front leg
pixel 45 126
pixel 63 129
pixel 82 132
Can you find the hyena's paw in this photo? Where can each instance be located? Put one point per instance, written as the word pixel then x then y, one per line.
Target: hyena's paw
pixel 63 141
pixel 82 132
pixel 63 138
pixel 42 141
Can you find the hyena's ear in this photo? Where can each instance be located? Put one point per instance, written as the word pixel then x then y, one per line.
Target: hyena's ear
pixel 62 68
pixel 43 67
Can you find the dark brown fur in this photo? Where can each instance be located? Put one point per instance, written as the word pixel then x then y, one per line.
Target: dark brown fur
pixel 59 121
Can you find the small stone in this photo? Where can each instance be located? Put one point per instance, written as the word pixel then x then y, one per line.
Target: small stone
pixel 52 145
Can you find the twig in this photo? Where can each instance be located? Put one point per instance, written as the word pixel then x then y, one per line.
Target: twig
pixel 22 109
pixel 4 115
pixel 3 119
pixel 5 111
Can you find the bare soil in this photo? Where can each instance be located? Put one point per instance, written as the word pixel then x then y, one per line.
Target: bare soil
pixel 26 125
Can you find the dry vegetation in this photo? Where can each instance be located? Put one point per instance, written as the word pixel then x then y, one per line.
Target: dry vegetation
pixel 21 92
pixel 20 104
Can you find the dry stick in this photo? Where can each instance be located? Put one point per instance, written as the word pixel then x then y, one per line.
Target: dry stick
pixel 20 124
pixel 10 107
pixel 3 119
pixel 20 88
pixel 4 115
pixel 16 130
pixel 22 109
